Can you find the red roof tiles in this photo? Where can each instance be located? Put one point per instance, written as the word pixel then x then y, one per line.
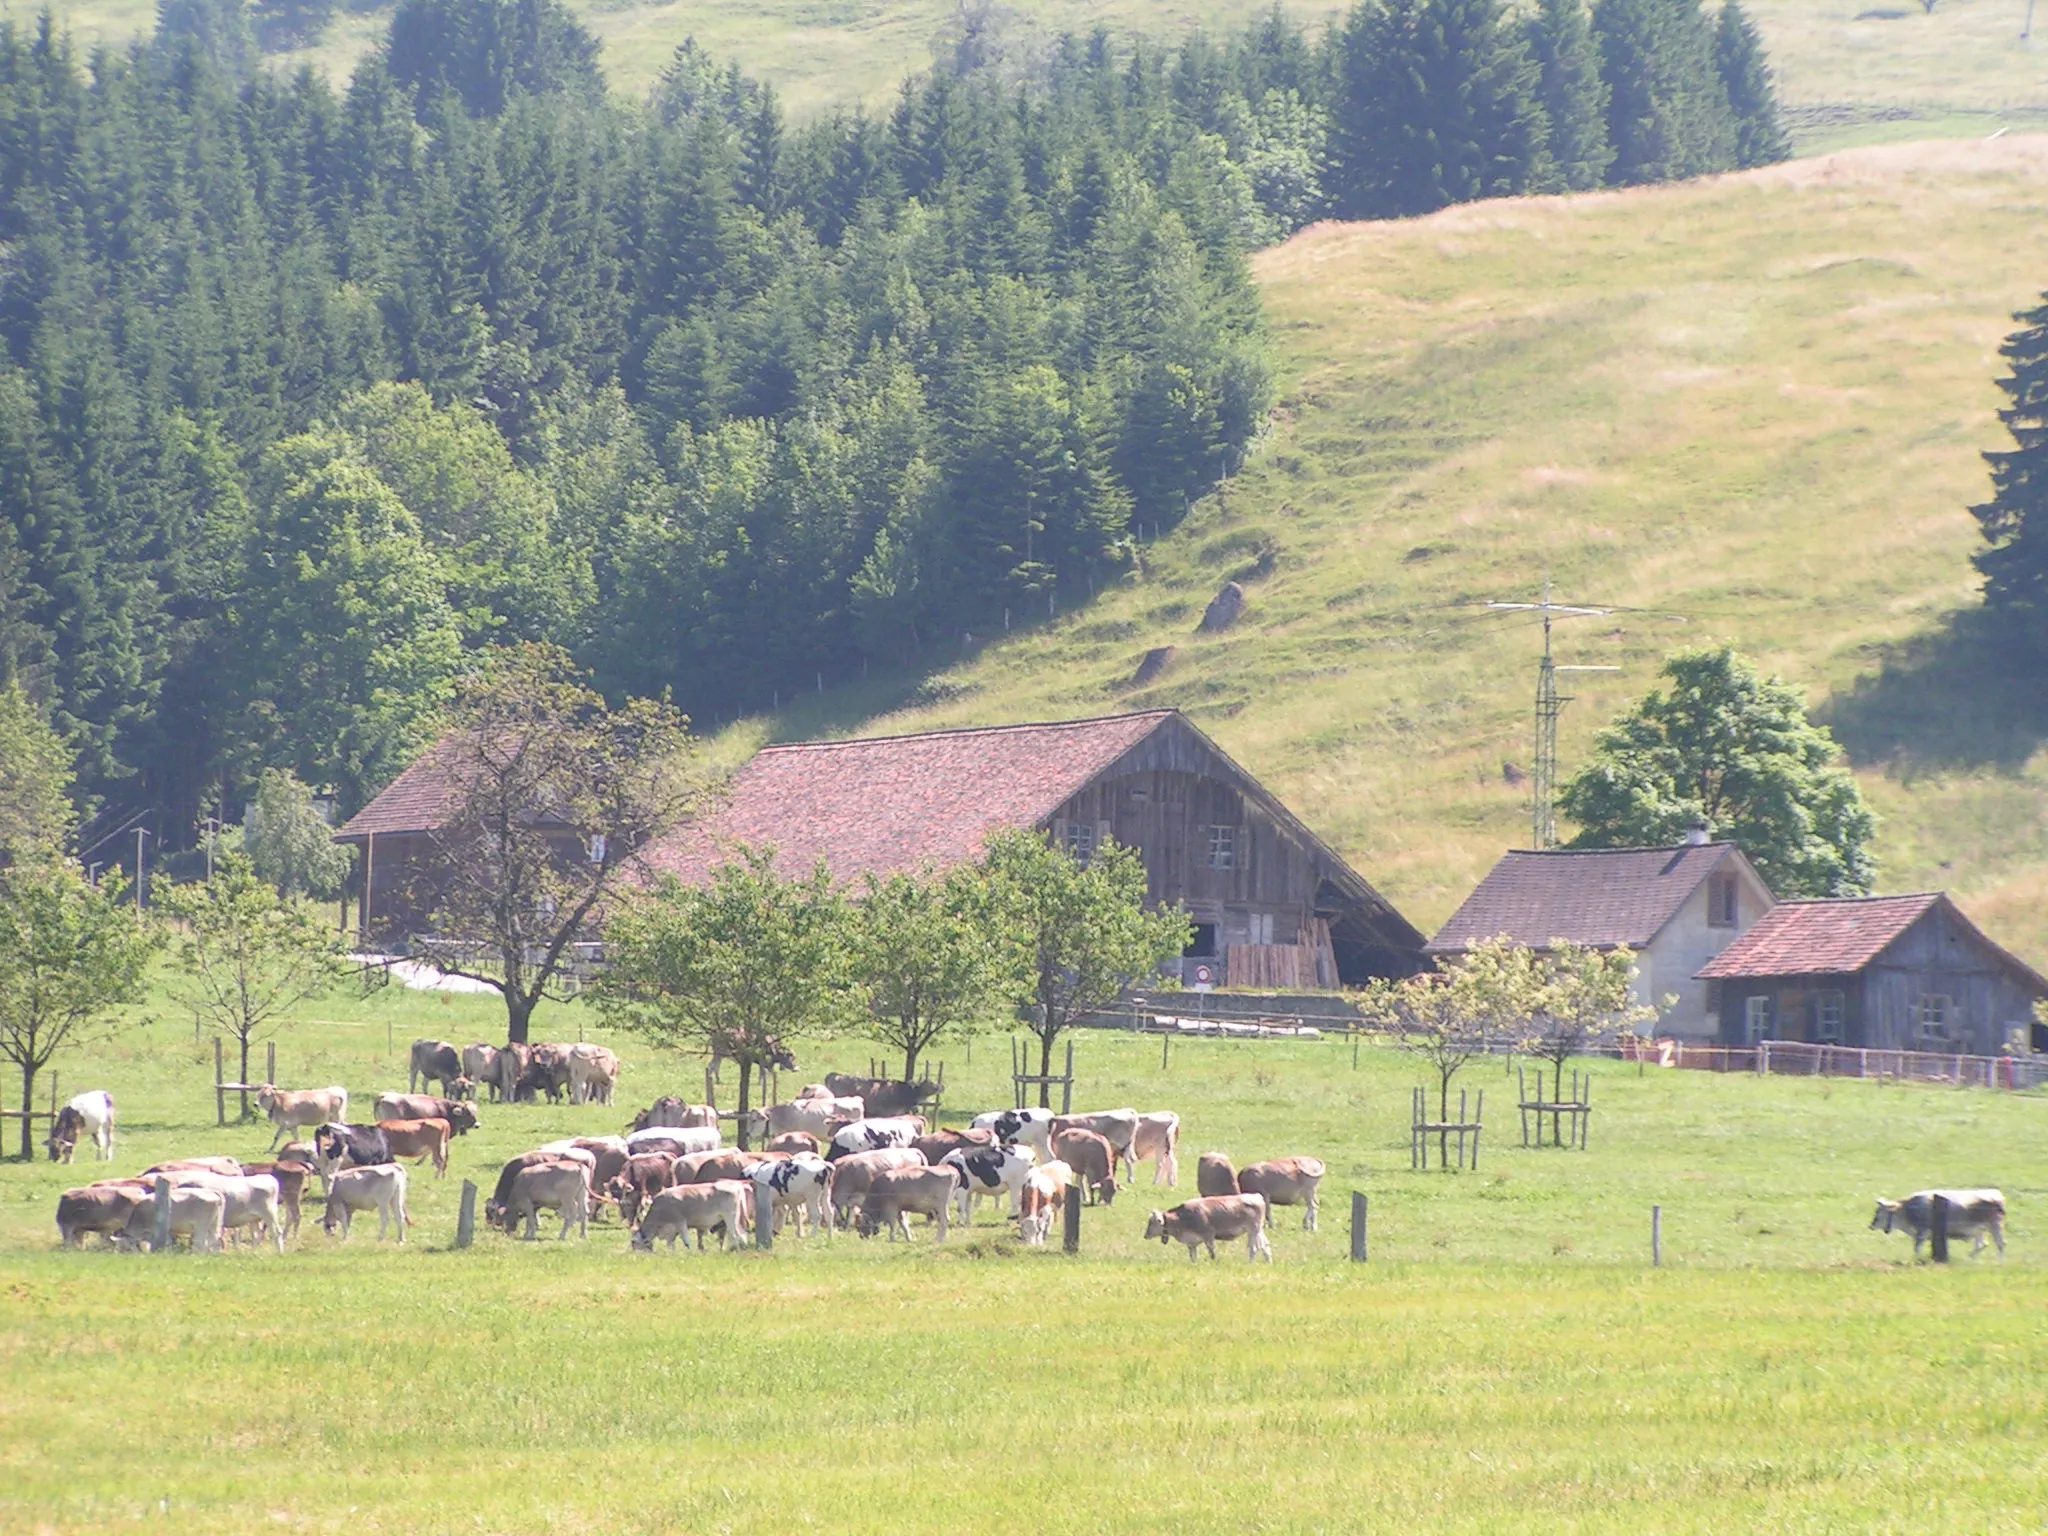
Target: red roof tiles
pixel 1601 897
pixel 415 801
pixel 1820 938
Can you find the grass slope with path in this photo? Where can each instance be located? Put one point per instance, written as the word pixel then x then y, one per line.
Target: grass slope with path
pixel 1753 405
pixel 1507 1360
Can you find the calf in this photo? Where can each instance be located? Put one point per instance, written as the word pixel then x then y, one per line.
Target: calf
pixel 791 1142
pixel 874 1135
pixel 672 1111
pixel 196 1216
pixel 1214 1175
pixel 1286 1181
pixel 348 1146
pixel 291 1179
pixel 1092 1158
pixel 688 1208
pixel 882 1097
pixel 1118 1127
pixel 1203 1222
pixel 418 1139
pixel 248 1201
pixel 1971 1213
pixel 645 1175
pixel 852 1174
pixel 1045 1188
pixel 801 1184
pixel 434 1061
pixel 380 1188
pixel 593 1072
pixel 1158 1138
pixel 562 1186
pixel 89 1114
pixel 425 1106
pixel 480 1065
pixel 989 1173
pixel 295 1109
pixel 895 1192
pixel 101 1208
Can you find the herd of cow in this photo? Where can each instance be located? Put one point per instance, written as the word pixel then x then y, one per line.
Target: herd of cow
pixel 845 1154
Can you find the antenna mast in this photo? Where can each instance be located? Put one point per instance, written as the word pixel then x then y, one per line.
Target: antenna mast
pixel 1549 705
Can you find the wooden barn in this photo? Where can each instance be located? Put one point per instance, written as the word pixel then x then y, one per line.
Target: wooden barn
pixel 1273 904
pixel 1905 973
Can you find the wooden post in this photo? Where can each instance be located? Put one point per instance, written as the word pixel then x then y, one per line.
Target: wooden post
pixel 1067 1089
pixel 1165 1044
pixel 764 1223
pixel 220 1097
pixel 1478 1122
pixel 1656 1237
pixel 1357 1227
pixel 465 1220
pixel 1941 1229
pixel 1071 1231
pixel 1354 1050
pixel 162 1237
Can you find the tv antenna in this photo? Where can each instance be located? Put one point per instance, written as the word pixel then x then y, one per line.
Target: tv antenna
pixel 1549 705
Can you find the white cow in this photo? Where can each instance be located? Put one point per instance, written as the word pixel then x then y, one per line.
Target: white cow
pixel 875 1135
pixel 593 1070
pixel 379 1188
pixel 1972 1213
pixel 249 1201
pixel 90 1114
pixel 687 1138
pixel 800 1184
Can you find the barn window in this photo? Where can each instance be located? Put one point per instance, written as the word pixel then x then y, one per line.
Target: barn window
pixel 1829 1009
pixel 1203 945
pixel 1081 841
pixel 1756 1019
pixel 1933 1016
pixel 1721 902
pixel 1223 847
pixel 1140 794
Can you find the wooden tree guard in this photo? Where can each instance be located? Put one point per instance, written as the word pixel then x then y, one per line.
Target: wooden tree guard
pixel 222 1087
pixel 1578 1110
pixel 30 1114
pixel 1422 1128
pixel 1022 1082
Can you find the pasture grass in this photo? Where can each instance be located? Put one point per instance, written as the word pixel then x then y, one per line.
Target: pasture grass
pixel 1508 1359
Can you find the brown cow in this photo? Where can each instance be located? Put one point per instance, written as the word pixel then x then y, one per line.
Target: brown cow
pixel 221 1165
pixel 1202 1222
pixel 494 1207
pixel 1092 1158
pixel 101 1208
pixel 295 1109
pixel 893 1192
pixel 561 1186
pixel 710 1167
pixel 291 1179
pixel 418 1139
pixel 425 1106
pixel 698 1208
pixel 1214 1175
pixel 1286 1181
pixel 852 1175
pixel 790 1143
pixel 937 1144
pixel 645 1175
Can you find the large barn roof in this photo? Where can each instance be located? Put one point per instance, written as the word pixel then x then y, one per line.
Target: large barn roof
pixel 1597 897
pixel 416 801
pixel 1838 937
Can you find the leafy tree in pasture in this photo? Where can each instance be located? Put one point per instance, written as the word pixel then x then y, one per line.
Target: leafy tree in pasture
pixel 1667 113
pixel 1746 76
pixel 923 953
pixel 738 968
pixel 551 794
pixel 1574 97
pixel 70 954
pixel 1575 997
pixel 1474 1006
pixel 1075 934
pixel 1725 746
pixel 247 955
pixel 2014 521
pixel 35 781
pixel 289 843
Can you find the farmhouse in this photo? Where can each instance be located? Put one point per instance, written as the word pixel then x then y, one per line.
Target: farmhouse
pixel 1675 907
pixel 1881 972
pixel 1266 894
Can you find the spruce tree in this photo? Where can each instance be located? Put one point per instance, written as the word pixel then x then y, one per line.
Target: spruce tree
pixel 2015 520
pixel 1668 115
pixel 1574 96
pixel 1746 76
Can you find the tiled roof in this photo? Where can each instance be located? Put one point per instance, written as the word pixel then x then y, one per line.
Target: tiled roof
pixel 886 803
pixel 415 801
pixel 1820 938
pixel 1601 897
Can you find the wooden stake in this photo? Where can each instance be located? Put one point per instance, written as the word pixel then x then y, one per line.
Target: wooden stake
pixel 465 1220
pixel 1941 1229
pixel 1071 1231
pixel 162 1243
pixel 1357 1227
pixel 1656 1236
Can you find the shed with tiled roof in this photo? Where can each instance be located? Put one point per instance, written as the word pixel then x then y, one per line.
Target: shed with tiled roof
pixel 1879 972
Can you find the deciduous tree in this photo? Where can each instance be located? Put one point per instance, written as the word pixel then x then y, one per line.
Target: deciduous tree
pixel 923 951
pixel 289 843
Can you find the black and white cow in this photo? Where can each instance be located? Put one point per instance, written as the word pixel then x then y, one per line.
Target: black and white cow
pixel 1971 1213
pixel 801 1185
pixel 337 1146
pixel 1032 1127
pixel 989 1173
pixel 874 1135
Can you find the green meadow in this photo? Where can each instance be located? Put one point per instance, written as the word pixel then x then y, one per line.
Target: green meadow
pixel 1508 1359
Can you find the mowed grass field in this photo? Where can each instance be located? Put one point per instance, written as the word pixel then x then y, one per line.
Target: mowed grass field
pixel 1507 1360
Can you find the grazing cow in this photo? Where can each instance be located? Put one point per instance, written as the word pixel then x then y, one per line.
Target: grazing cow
pixel 291 1187
pixel 434 1061
pixel 511 1066
pixel 562 1186
pixel 380 1188
pixel 884 1098
pixel 1092 1158
pixel 425 1106
pixel 609 1154
pixel 593 1072
pixel 851 1175
pixel 895 1192
pixel 1032 1127
pixel 1211 1218
pixel 418 1139
pixel 873 1135
pixel 196 1215
pixel 1045 1188
pixel 348 1146
pixel 936 1144
pixel 791 1142
pixel 296 1109
pixel 90 1114
pixel 1971 1213
pixel 1286 1181
pixel 688 1208
pixel 546 1070
pixel 672 1111
pixel 1158 1138
pixel 821 1117
pixel 101 1208
pixel 249 1201
pixel 480 1065
pixel 677 1140
pixel 1214 1175
pixel 1118 1127
pixel 226 1165
pixel 988 1173
pixel 495 1206
pixel 645 1175
pixel 802 1184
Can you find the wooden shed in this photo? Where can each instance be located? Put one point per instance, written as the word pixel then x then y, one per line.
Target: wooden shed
pixel 1905 973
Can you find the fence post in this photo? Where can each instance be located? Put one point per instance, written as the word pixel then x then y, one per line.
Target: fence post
pixel 465 1220
pixel 1357 1227
pixel 220 1098
pixel 1941 1229
pixel 764 1221
pixel 162 1235
pixel 1165 1043
pixel 1656 1237
pixel 1070 1237
pixel 1067 1089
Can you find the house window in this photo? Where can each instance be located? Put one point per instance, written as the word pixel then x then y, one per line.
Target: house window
pixel 1081 841
pixel 1223 847
pixel 1829 1009
pixel 1721 902
pixel 1203 945
pixel 1933 1020
pixel 1756 1019
pixel 597 847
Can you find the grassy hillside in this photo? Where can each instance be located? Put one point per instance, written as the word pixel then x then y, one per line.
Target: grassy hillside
pixel 1753 405
pixel 1850 70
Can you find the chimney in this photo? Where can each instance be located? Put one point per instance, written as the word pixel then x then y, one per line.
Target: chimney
pixel 1699 836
